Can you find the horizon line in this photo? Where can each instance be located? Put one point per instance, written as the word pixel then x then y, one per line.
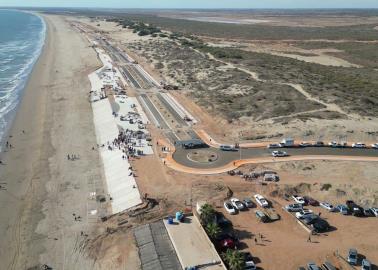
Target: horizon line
pixel 195 8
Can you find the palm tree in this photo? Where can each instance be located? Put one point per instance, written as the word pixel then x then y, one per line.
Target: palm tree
pixel 234 259
pixel 207 214
pixel 212 230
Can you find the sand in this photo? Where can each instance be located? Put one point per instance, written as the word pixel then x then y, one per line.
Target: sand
pixel 44 189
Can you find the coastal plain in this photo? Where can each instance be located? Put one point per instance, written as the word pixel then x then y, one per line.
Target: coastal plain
pixel 236 88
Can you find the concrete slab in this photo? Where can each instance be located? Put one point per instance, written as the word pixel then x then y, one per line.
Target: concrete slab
pixel 192 245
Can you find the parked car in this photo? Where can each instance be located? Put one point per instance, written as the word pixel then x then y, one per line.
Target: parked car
pixel 222 221
pixel 261 200
pixel 320 225
pixel 301 214
pixel 273 145
pixel 318 144
pixel 312 266
pixel 365 265
pixel 225 147
pixel 353 208
pixel 249 263
pixel 310 201
pixel 229 208
pixel 375 211
pixel 328 266
pixel 343 144
pixel 337 144
pixel 295 207
pixel 298 199
pixel 225 244
pixel 236 203
pixel 352 256
pixel 359 145
pixel 261 216
pixel 305 144
pixel 227 235
pixel 343 209
pixel 310 219
pixel 301 268
pixel 248 203
pixel 271 214
pixel 327 206
pixel 279 154
pixel 368 212
pixel 374 145
pixel 333 144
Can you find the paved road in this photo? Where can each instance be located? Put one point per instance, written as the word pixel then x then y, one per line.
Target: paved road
pixel 154 111
pixel 127 74
pixel 180 156
pixel 171 110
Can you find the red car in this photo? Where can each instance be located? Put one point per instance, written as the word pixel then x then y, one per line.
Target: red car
pixel 225 244
pixel 310 201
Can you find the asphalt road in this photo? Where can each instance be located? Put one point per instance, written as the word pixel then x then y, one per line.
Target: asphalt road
pixel 171 110
pixel 154 111
pixel 225 157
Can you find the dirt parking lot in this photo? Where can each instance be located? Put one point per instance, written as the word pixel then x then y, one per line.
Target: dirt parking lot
pixel 284 243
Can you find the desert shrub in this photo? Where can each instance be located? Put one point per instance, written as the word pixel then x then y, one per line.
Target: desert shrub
pixel 325 187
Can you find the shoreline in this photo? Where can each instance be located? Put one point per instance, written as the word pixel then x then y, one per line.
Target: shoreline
pixel 11 115
pixel 42 187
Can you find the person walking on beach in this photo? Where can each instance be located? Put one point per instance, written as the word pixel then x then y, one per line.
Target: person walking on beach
pixel 309 238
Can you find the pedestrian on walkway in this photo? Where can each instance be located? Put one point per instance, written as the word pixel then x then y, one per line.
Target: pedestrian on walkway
pixel 309 238
pixel 255 240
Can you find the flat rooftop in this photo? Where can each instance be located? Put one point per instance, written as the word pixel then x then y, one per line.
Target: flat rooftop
pixel 192 245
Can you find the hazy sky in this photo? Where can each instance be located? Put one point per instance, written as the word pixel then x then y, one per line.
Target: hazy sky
pixel 196 3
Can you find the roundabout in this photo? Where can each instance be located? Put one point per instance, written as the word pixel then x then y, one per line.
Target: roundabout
pixel 204 156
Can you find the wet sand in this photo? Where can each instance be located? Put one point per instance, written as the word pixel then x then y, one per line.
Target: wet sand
pixel 43 188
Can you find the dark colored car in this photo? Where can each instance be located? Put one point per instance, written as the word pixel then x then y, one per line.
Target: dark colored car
pixel 318 144
pixel 248 259
pixel 225 235
pixel 310 219
pixel 354 209
pixel 312 266
pixel 310 201
pixel 222 221
pixel 248 203
pixel 261 216
pixel 352 256
pixel 320 225
pixel 328 266
pixel 358 211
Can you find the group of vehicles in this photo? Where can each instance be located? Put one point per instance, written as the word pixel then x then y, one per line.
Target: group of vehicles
pixel 352 259
pixel 351 208
pixel 334 144
pixel 227 239
pixel 308 217
pixel 234 205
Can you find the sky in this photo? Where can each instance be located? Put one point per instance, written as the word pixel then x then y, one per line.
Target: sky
pixel 196 3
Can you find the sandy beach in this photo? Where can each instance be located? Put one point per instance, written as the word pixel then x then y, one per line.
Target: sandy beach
pixel 45 193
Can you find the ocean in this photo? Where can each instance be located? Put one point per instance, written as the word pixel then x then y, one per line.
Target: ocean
pixel 22 36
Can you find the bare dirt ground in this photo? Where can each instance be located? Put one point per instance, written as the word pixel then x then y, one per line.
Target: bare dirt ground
pixel 292 20
pixel 324 123
pixel 285 239
pixel 282 239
